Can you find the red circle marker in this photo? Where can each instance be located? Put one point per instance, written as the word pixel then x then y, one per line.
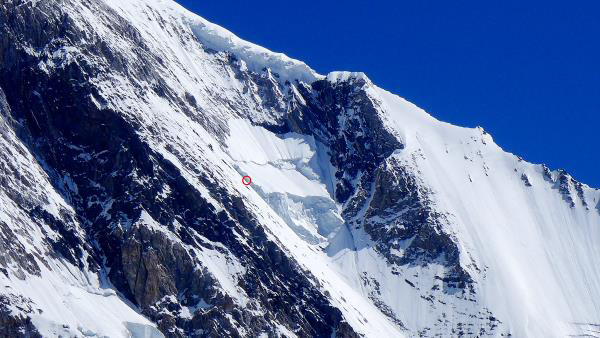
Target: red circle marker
pixel 246 180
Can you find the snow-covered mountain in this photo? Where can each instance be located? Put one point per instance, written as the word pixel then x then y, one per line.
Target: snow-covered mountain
pixel 127 127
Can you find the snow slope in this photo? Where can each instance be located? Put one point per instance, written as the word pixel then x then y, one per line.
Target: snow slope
pixel 540 254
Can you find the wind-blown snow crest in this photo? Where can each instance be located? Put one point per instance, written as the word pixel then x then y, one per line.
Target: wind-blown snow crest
pixel 220 39
pixel 341 76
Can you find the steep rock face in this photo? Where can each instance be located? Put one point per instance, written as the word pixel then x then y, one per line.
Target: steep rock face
pixel 13 253
pixel 15 325
pixel 126 128
pixel 340 114
pixel 146 222
pixel 400 214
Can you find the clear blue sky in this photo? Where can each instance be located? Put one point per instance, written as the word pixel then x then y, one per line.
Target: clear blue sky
pixel 527 71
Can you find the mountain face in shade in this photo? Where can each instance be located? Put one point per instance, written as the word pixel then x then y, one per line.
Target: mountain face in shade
pixel 127 127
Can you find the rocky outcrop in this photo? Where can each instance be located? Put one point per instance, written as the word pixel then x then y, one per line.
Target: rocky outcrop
pixel 341 115
pixel 525 180
pixel 568 187
pixel 19 325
